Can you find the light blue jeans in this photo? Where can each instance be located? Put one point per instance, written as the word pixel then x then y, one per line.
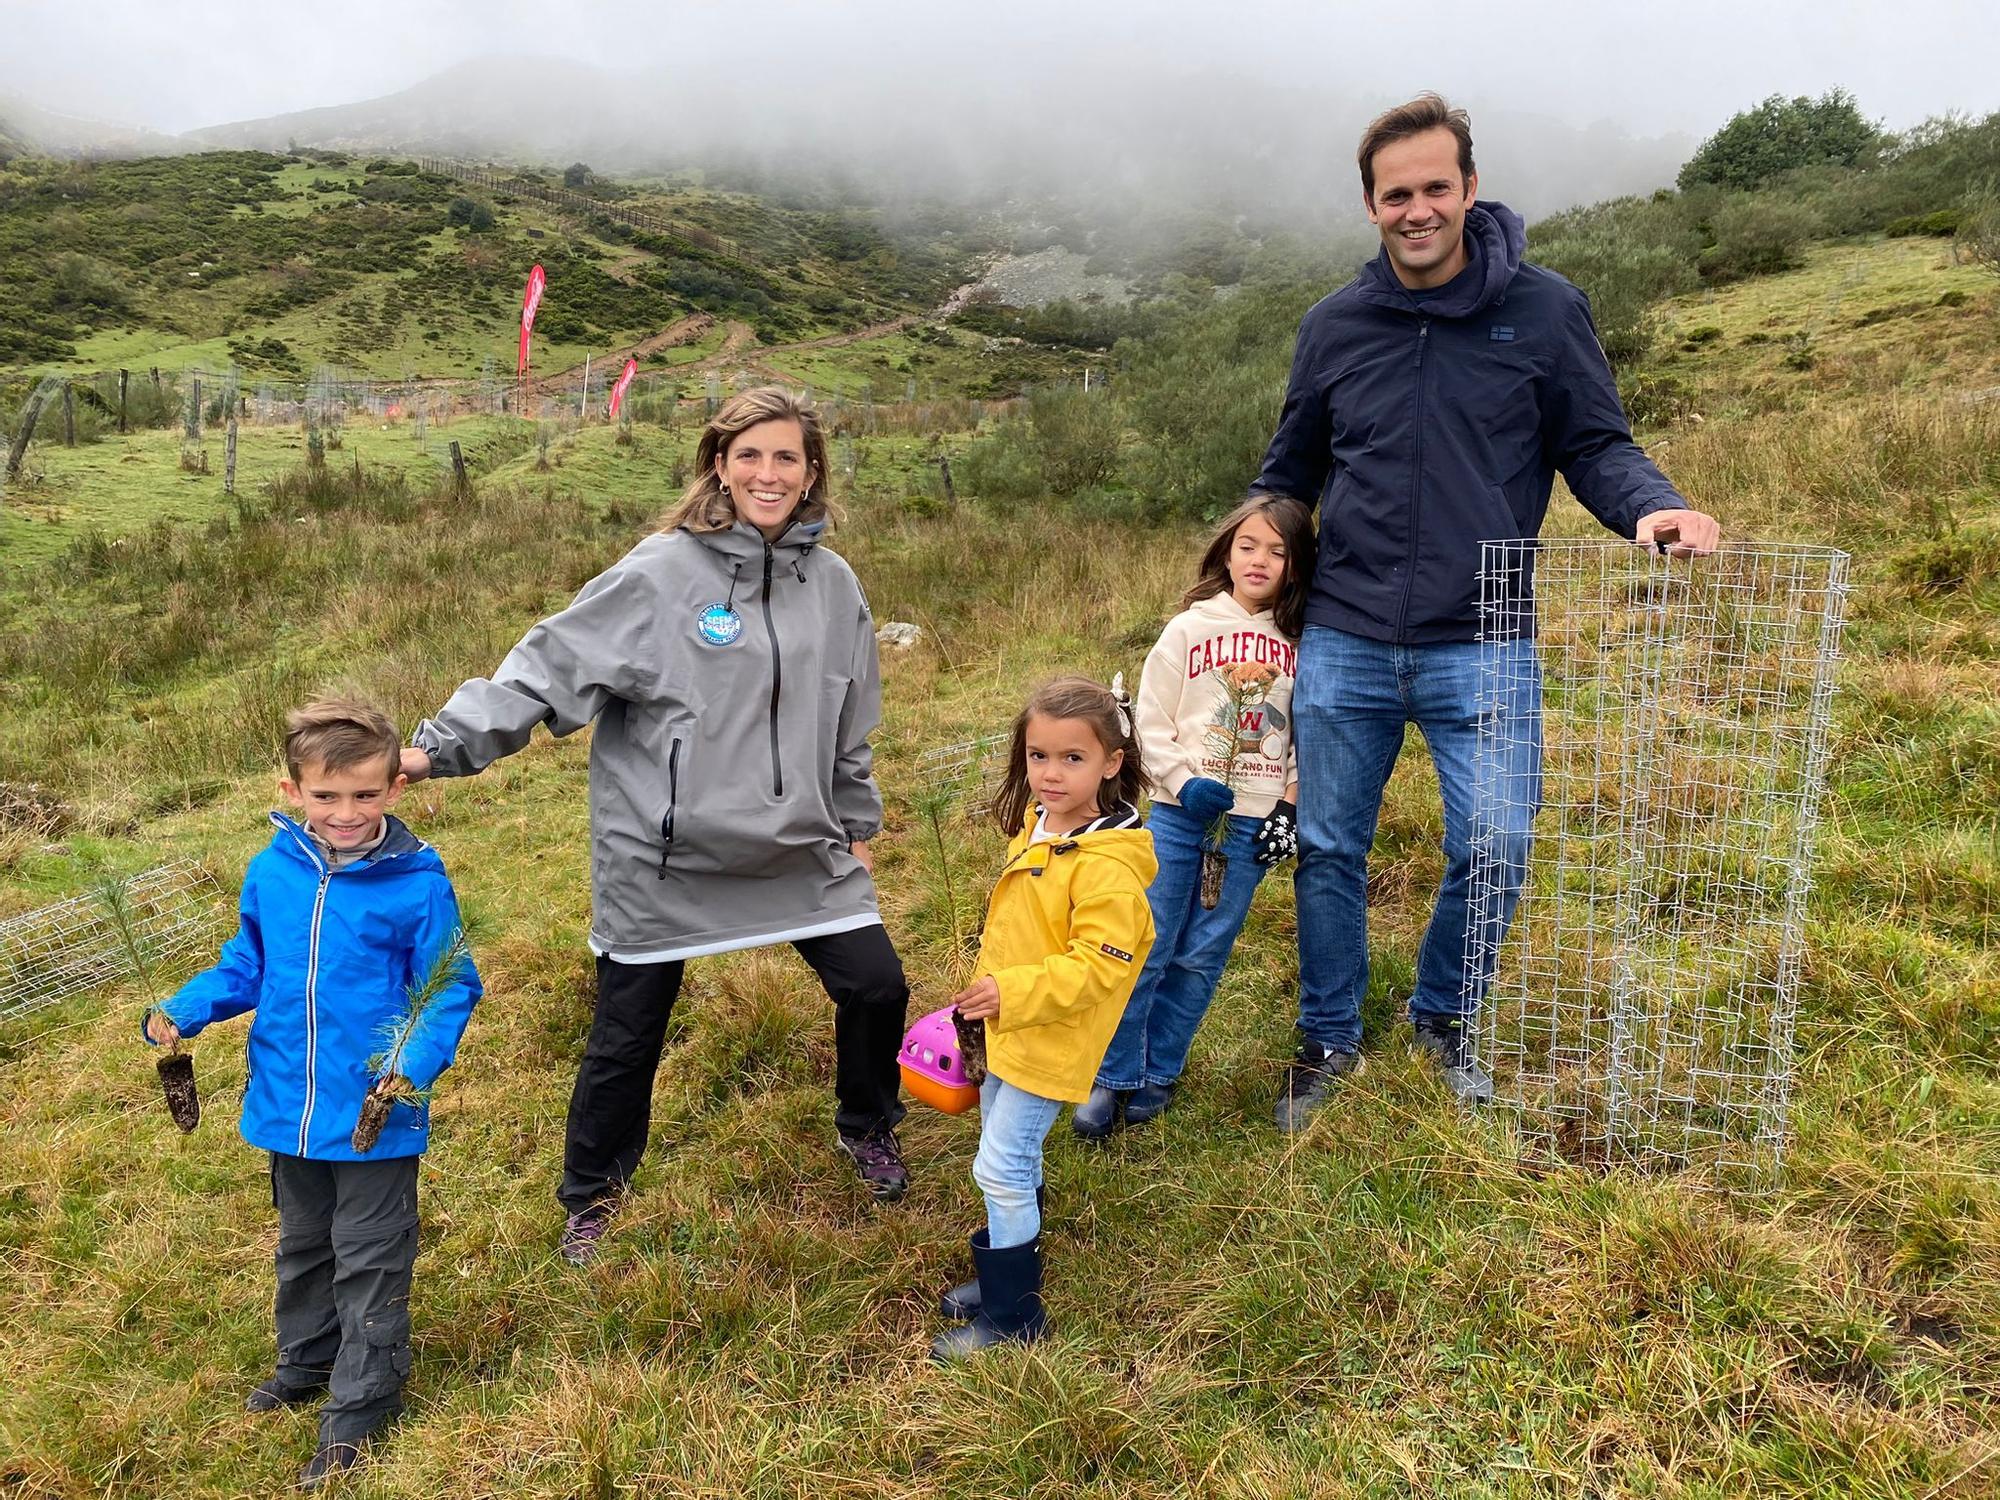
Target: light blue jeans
pixel 1350 707
pixel 1013 1123
pixel 1190 947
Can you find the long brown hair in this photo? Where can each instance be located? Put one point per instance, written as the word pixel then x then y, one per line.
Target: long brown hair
pixel 1293 523
pixel 1109 715
pixel 705 505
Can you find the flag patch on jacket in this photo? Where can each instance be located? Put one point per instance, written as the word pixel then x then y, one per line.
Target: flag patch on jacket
pixel 1118 953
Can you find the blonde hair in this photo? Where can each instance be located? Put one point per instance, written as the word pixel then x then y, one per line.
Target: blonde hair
pixel 336 734
pixel 705 505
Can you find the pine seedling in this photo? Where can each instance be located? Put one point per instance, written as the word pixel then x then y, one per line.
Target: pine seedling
pixel 391 1087
pixel 176 1068
pixel 933 805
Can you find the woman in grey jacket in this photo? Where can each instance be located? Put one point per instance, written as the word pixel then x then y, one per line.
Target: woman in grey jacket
pixel 728 663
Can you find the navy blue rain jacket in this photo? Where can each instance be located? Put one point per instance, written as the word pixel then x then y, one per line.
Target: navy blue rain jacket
pixel 1424 424
pixel 326 957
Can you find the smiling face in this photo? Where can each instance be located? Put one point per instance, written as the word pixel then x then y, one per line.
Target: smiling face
pixel 345 807
pixel 766 474
pixel 1067 768
pixel 1419 206
pixel 1256 563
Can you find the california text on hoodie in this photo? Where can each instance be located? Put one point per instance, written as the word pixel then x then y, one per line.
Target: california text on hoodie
pixel 1067 931
pixel 1423 423
pixel 326 957
pixel 733 685
pixel 1182 715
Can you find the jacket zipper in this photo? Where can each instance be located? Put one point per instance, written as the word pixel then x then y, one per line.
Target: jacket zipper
pixel 673 800
pixel 1416 482
pixel 777 678
pixel 312 1000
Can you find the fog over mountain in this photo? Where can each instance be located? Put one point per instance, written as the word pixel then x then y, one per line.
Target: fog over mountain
pixel 1251 108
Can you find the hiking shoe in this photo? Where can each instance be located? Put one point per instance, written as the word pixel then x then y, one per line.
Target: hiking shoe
pixel 1310 1080
pixel 275 1394
pixel 327 1465
pixel 1443 1039
pixel 583 1233
pixel 879 1161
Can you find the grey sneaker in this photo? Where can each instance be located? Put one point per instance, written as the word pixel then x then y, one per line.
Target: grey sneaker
pixel 1443 1039
pixel 879 1161
pixel 1310 1080
pixel 583 1233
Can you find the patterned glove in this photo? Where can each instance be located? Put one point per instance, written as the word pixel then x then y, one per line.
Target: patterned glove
pixel 1206 798
pixel 1278 835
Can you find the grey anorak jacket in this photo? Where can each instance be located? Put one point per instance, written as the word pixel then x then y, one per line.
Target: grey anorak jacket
pixel 733 684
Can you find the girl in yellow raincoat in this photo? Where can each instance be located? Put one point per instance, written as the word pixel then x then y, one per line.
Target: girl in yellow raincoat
pixel 1067 931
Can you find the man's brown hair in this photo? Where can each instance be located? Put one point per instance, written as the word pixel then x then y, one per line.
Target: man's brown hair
pixel 1427 111
pixel 337 734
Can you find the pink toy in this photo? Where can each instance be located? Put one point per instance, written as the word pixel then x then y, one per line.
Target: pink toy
pixel 934 1065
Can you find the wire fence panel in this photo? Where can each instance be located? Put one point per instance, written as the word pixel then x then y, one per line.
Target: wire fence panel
pixel 179 916
pixel 969 772
pixel 1641 1003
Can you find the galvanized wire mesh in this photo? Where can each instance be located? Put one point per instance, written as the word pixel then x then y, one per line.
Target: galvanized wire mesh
pixel 1642 1003
pixel 178 916
pixel 969 772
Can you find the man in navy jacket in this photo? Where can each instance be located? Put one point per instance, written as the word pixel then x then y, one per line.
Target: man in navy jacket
pixel 1432 401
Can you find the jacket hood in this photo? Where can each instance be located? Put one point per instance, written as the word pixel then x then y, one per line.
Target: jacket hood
pixel 1120 834
pixel 1496 239
pixel 744 543
pixel 1224 606
pixel 398 843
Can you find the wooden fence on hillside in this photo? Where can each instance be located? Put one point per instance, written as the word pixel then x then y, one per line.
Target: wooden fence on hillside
pixel 582 204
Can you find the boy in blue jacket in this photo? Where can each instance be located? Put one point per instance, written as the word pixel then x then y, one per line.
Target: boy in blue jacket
pixel 342 917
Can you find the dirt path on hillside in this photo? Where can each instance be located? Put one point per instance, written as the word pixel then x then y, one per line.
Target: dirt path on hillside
pixel 736 340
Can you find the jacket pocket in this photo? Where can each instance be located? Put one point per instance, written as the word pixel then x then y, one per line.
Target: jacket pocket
pixel 673 802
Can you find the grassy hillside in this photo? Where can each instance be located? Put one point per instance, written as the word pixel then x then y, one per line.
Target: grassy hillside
pixel 1390 1305
pixel 282 263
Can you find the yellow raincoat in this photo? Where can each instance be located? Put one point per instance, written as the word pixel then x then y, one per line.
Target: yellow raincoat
pixel 1067 931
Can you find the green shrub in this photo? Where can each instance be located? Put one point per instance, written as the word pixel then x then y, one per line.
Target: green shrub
pixel 1942 224
pixel 1757 236
pixel 1627 255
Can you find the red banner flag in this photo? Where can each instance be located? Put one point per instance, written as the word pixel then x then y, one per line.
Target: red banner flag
pixel 618 390
pixel 530 300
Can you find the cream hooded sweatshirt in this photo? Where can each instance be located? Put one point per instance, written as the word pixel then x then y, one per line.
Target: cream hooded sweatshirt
pixel 1182 716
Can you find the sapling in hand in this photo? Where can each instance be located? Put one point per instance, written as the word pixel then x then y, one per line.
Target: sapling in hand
pixel 391 1087
pixel 176 1068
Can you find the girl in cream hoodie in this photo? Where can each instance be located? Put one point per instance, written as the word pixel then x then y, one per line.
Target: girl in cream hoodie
pixel 1213 719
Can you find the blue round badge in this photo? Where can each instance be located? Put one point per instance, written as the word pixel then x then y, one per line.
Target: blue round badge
pixel 718 625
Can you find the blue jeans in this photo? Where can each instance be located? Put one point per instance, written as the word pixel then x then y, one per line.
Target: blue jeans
pixel 1350 706
pixel 1013 1123
pixel 1190 947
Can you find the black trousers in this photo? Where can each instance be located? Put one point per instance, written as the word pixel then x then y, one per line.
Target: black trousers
pixel 347 1242
pixel 611 1108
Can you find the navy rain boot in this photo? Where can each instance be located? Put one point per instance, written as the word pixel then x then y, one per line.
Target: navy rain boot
pixel 961 1303
pixel 1010 1290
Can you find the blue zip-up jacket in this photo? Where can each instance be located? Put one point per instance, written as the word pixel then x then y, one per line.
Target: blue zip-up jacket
pixel 1424 423
pixel 326 958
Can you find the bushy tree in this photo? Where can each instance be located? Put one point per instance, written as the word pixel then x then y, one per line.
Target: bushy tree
pixel 1978 238
pixel 577 175
pixel 1779 136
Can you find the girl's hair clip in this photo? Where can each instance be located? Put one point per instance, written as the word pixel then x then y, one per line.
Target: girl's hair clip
pixel 1120 699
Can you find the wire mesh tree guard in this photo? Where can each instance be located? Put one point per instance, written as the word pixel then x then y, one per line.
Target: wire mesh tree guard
pixel 1675 715
pixel 72 946
pixel 968 773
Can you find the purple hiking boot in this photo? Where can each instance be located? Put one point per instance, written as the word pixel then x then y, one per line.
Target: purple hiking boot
pixel 879 1160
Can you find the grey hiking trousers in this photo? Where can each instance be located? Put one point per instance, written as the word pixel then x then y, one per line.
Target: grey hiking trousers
pixel 347 1242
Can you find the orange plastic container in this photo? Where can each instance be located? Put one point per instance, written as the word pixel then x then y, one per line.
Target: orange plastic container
pixel 933 1071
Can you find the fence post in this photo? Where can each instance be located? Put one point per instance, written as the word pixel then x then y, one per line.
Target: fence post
pixel 458 468
pixel 229 458
pixel 69 415
pixel 944 473
pixel 28 419
pixel 123 377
